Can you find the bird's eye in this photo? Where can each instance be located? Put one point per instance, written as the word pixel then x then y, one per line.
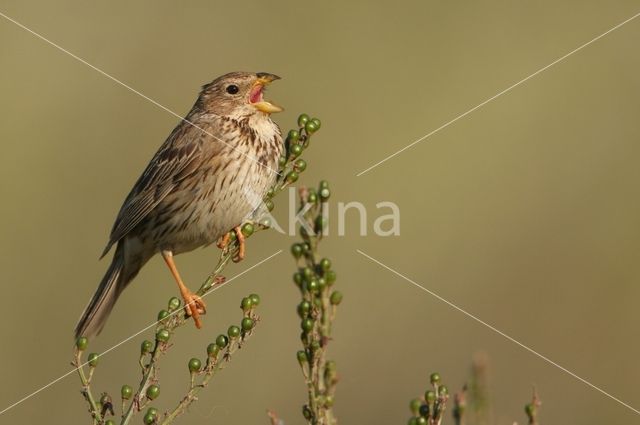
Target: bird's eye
pixel 232 89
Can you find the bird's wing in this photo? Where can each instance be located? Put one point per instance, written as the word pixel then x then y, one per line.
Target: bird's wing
pixel 177 158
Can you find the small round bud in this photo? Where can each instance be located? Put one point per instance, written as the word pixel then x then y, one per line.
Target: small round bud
pixel 303 119
pixel 430 396
pixel 324 184
pixel 307 324
pixel 311 127
pixel 255 298
pixel 325 264
pixel 149 419
pixel 270 193
pixel 213 349
pixel 247 324
pixel 153 392
pixel 313 198
pixel 308 273
pixel 233 331
pixel 292 177
pixel 93 359
pixel 435 378
pixel 195 365
pixel 146 347
pixel 530 410
pixel 330 275
pixel 317 122
pixel 325 193
pixel 306 412
pixel 313 286
pixel 300 165
pixel 163 314
pixel 153 411
pixel 295 151
pixel 269 204
pixel 443 390
pixel 105 399
pixel 298 278
pixel 304 308
pixel 302 357
pixel 296 250
pixel 222 341
pixel 320 224
pixel 414 406
pixel 126 392
pixel 163 335
pixel 421 421
pixel 247 229
pixel 174 303
pixel 246 304
pixel 293 135
pixel 336 297
pixel 82 343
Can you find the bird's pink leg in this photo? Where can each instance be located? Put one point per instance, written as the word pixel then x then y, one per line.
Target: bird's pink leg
pixel 193 304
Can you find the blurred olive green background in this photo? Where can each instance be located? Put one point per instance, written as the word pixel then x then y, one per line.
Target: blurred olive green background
pixel 525 213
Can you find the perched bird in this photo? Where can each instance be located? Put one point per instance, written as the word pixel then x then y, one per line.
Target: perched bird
pixel 197 188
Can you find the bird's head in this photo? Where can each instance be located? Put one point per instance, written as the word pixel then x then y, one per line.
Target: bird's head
pixel 238 94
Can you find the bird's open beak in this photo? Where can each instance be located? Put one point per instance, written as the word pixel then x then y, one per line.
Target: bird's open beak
pixel 255 97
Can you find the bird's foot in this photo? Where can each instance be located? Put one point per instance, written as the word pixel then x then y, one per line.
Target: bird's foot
pixel 194 307
pixel 241 245
pixel 223 242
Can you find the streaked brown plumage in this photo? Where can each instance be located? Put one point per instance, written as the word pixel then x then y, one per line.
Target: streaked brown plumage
pixel 203 182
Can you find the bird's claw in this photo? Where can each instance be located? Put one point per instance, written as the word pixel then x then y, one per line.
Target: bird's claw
pixel 194 307
pixel 241 245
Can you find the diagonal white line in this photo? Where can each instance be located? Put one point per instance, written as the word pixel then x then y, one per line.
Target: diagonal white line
pixel 499 332
pixel 115 80
pixel 480 105
pixel 129 338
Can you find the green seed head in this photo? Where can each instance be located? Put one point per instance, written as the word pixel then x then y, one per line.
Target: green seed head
pixel 153 392
pixel 222 341
pixel 530 410
pixel 233 331
pixel 163 335
pixel 298 278
pixel 324 184
pixel 93 359
pixel 292 177
pixel 308 273
pixel 421 420
pixel 302 357
pixel 293 135
pixel 174 304
pixel 146 347
pixel 443 390
pixel 311 127
pixel 149 419
pixel 295 151
pixel 246 304
pixel 162 314
pixel 336 297
pixel 330 275
pixel 255 298
pixel 435 378
pixel 126 392
pixel 303 119
pixel 325 193
pixel 430 396
pixel 247 324
pixel 313 286
pixel 414 406
pixel 269 204
pixel 281 161
pixel 82 343
pixel 325 264
pixel 153 411
pixel 304 308
pixel 213 349
pixel 300 165
pixel 307 324
pixel 296 250
pixel 317 122
pixel 195 365
pixel 247 229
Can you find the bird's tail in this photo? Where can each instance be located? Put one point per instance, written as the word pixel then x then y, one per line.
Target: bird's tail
pixel 113 283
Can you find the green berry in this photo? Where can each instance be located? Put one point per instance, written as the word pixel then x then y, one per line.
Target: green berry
pixel 435 378
pixel 336 297
pixel 153 411
pixel 300 165
pixel 149 419
pixel 298 278
pixel 324 184
pixel 222 341
pixel 317 122
pixel 247 324
pixel 247 229
pixel 293 135
pixel 302 357
pixel 270 193
pixel 330 275
pixel 303 119
pixel 322 283
pixel 195 365
pixel 296 250
pixel 311 127
pixel 233 331
pixel 307 324
pixel 304 308
pixel 308 273
pixel 93 359
pixel 162 314
pixel 82 343
pixel 325 264
pixel 443 390
pixel 174 303
pixel 153 392
pixel 430 396
pixel 295 151
pixel 269 204
pixel 313 198
pixel 213 349
pixel 313 286
pixel 414 406
pixel 146 347
pixel 325 193
pixel 530 410
pixel 126 392
pixel 292 177
pixel 246 304
pixel 421 420
pixel 255 298
pixel 163 335
pixel 281 161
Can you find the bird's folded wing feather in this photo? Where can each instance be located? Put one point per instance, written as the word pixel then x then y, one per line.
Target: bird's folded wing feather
pixel 177 158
